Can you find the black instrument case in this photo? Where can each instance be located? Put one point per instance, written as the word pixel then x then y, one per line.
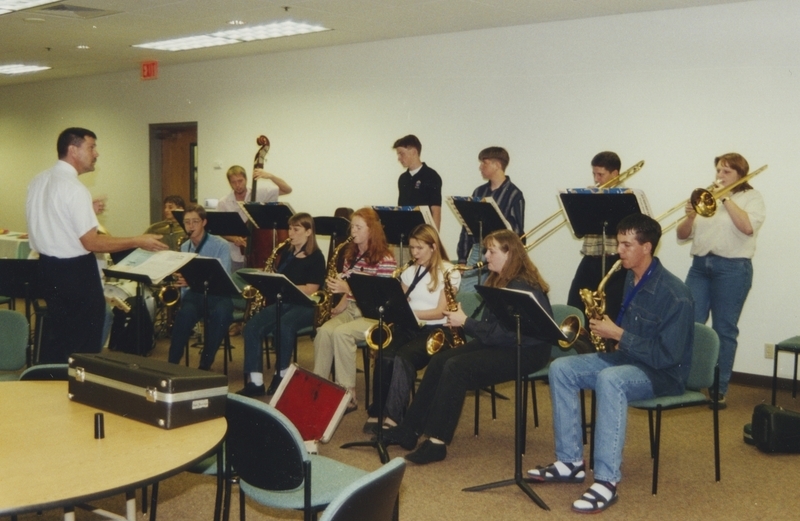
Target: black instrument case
pixel 152 391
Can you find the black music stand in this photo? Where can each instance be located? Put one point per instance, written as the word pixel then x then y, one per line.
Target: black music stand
pixel 519 311
pixel 141 281
pixel 479 216
pixel 219 223
pixel 269 215
pixel 208 276
pixel 19 278
pixel 398 223
pixel 381 298
pixel 279 287
pixel 335 227
pixel 595 212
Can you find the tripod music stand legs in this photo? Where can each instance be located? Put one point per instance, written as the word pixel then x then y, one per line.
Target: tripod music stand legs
pixel 377 443
pixel 517 479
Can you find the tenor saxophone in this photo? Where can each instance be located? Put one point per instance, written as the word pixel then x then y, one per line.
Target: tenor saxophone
pixel 255 300
pixel 324 297
pixel 595 303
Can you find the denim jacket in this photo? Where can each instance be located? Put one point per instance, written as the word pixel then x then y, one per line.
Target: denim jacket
pixel 658 331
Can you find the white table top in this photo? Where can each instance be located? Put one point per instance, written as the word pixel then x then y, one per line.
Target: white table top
pixel 49 457
pixel 13 246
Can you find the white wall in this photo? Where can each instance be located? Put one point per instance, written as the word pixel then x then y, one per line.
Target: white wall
pixel 674 88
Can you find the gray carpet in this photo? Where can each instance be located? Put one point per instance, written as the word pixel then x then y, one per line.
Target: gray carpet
pixel 753 486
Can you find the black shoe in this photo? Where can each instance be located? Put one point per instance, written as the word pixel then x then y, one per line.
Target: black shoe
pixel 252 390
pixel 428 452
pixel 370 427
pixel 273 386
pixel 400 436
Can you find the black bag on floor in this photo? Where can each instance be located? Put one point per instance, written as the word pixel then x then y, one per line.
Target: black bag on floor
pixel 775 429
pixel 123 331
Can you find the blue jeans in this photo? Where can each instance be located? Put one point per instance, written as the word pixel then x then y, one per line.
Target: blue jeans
pixel 613 386
pixel 293 318
pixel 469 279
pixel 720 285
pixel 220 316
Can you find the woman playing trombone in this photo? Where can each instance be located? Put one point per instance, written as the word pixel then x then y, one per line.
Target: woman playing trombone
pixel 722 248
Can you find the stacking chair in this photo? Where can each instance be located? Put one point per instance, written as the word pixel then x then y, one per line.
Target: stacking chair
pixel 790 345
pixel 57 372
pixel 560 312
pixel 8 301
pixel 370 498
pixel 704 374
pixel 13 343
pixel 273 465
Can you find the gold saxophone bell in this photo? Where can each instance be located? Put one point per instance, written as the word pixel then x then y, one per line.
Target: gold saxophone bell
pixel 435 341
pixel 169 294
pixel 373 339
pixel 573 330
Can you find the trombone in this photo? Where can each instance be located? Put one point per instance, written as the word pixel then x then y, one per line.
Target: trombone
pixel 611 183
pixel 704 200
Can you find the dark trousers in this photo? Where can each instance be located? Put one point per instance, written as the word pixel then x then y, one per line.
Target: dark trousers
pixel 437 405
pixel 75 307
pixel 294 317
pixel 401 360
pixel 589 274
pixel 220 316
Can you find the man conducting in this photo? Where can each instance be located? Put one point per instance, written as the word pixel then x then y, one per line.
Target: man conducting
pixel 63 227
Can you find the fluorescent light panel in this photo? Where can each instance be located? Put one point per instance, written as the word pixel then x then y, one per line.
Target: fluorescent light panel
pixel 19 68
pixel 244 34
pixel 7 6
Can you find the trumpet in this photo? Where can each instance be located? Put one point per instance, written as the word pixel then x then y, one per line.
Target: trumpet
pixel 380 338
pixel 704 200
pixel 611 183
pixel 169 294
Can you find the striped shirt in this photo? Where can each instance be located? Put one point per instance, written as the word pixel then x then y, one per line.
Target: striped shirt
pixel 511 202
pixel 384 268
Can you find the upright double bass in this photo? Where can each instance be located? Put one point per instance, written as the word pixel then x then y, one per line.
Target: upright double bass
pixel 261 241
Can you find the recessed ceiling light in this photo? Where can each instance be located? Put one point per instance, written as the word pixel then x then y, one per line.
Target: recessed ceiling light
pixel 7 6
pixel 82 47
pixel 245 34
pixel 236 22
pixel 19 68
pixel 185 44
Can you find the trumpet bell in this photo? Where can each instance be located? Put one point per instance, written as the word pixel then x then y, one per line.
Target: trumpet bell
pixel 703 202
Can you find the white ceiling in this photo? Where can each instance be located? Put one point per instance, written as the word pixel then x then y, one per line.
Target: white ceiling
pixel 49 35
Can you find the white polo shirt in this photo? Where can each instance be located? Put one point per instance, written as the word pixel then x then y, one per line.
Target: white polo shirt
pixel 422 298
pixel 59 212
pixel 719 236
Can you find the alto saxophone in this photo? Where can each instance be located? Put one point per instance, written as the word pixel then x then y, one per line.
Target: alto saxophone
pixel 324 297
pixel 436 340
pixel 372 339
pixel 255 300
pixel 595 303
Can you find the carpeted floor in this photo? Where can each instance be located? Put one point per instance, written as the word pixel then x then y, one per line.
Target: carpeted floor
pixel 753 486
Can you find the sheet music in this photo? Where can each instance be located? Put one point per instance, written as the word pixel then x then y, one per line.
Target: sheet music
pixel 451 203
pixel 424 210
pixel 156 265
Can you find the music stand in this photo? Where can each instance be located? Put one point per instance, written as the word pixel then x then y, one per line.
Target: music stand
pixel 335 227
pixel 381 298
pixel 219 223
pixel 519 311
pixel 398 223
pixel 140 280
pixel 480 217
pixel 592 211
pixel 279 287
pixel 19 278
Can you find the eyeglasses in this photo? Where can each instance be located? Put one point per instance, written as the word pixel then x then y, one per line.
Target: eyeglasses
pixel 192 221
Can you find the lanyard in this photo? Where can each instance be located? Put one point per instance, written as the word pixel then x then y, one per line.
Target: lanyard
pixel 417 277
pixel 635 290
pixel 285 260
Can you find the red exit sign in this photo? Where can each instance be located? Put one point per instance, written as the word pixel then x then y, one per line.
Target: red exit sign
pixel 150 70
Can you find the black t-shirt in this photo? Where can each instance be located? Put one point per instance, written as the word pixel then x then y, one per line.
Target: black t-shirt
pixel 422 189
pixel 305 270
